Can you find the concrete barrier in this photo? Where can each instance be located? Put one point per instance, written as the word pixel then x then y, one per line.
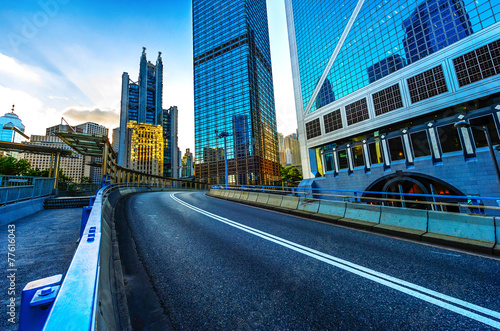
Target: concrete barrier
pixel 461 230
pixel 230 194
pixel 404 221
pixel 289 202
pixel 331 210
pixel 361 215
pixel 16 211
pixel 252 197
pixel 236 195
pixel 263 198
pixel 275 200
pixel 225 193
pixel 244 196
pixel 308 205
pixel 215 192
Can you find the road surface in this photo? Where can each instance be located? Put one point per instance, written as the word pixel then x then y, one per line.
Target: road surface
pixel 193 262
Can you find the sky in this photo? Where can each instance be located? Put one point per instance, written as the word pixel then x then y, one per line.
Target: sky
pixel 65 58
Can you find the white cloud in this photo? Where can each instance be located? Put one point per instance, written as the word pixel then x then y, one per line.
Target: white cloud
pixel 53 97
pixel 11 67
pixel 107 117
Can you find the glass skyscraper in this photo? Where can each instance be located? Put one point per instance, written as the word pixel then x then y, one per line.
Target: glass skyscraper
pixel 379 84
pixel 233 92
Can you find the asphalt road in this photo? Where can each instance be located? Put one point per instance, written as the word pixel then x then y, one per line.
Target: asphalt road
pixel 192 262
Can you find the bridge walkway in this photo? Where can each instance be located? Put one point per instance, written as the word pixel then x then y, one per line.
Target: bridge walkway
pixel 44 246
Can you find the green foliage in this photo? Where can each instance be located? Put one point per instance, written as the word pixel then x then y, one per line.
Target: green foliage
pixel 290 174
pixel 11 166
pixel 37 172
pixel 85 180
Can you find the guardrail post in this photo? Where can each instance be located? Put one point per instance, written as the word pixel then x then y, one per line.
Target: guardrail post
pixel 37 299
pixel 18 193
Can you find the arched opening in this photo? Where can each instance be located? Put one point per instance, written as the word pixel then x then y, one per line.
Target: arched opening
pixel 393 185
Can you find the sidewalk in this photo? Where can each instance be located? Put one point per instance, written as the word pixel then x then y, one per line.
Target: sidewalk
pixel 44 246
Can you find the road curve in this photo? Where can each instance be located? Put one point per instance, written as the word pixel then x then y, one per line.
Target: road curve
pixel 195 262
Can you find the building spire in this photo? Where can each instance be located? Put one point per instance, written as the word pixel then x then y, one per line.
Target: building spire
pixel 13 108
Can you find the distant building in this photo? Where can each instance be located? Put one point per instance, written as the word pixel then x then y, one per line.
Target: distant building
pixel 146 148
pixel 95 173
pixel 141 103
pixel 62 128
pixel 11 130
pixel 116 139
pixel 170 154
pixel 73 167
pixel 93 128
pixel 187 164
pixel 289 150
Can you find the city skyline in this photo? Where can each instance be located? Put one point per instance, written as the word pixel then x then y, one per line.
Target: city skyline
pixel 65 58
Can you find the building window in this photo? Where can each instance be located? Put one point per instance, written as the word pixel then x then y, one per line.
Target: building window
pixel 357 154
pixel 479 137
pixel 329 162
pixel 333 121
pixel 420 144
pixel 356 112
pixel 479 64
pixel 343 163
pixel 387 100
pixel 396 149
pixel 375 152
pixel 313 128
pixel 427 84
pixel 448 136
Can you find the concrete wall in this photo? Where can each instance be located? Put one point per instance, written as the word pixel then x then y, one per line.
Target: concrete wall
pixel 16 211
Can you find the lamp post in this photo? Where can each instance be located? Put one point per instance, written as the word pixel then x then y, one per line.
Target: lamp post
pixel 224 135
pixel 484 128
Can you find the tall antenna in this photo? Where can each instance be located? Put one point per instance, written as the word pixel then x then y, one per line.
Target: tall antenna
pixel 13 108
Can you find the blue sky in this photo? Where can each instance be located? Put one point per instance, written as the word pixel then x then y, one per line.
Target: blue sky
pixel 66 57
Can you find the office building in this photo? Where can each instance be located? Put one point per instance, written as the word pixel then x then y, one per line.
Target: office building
pixel 11 130
pixel 116 139
pixel 289 149
pixel 187 164
pixel 141 103
pixel 170 149
pixel 233 93
pixel 146 148
pixel 401 73
pixel 74 167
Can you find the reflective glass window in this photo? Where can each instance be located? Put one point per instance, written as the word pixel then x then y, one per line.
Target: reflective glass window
pixel 357 154
pixel 396 150
pixel 479 136
pixel 449 139
pixel 343 163
pixel 329 162
pixel 375 152
pixel 420 143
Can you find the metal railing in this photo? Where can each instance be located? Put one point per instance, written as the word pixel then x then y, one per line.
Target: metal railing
pixel 86 293
pixel 14 189
pixel 440 202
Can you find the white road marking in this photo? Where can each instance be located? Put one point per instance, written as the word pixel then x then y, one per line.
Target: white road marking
pixel 414 290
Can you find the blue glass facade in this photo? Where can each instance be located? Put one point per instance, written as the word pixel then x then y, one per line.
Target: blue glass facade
pixel 379 88
pixel 233 92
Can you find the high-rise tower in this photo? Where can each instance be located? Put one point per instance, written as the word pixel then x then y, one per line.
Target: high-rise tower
pixel 398 75
pixel 233 92
pixel 141 104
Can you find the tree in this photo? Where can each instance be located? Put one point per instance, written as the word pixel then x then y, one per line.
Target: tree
pixel 11 166
pixel 290 174
pixel 85 180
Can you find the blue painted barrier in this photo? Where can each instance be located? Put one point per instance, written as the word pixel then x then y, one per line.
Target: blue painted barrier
pixel 85 217
pixel 36 300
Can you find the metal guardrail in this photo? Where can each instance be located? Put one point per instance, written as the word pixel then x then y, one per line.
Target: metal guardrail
pixel 83 301
pixel 14 189
pixel 470 204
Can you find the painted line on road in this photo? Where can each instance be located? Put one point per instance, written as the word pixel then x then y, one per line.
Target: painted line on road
pixel 436 298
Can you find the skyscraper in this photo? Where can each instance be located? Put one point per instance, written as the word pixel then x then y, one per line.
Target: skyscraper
pixel 141 104
pixel 233 92
pixel 402 72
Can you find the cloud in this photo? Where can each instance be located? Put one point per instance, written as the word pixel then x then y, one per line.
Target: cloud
pixel 53 97
pixel 12 67
pixel 96 115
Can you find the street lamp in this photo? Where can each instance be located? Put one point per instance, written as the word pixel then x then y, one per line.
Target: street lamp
pixel 224 135
pixel 484 128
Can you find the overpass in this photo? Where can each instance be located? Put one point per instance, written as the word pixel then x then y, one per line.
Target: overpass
pixel 251 258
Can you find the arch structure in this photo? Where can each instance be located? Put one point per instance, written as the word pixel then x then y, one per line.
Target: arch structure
pixel 414 183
